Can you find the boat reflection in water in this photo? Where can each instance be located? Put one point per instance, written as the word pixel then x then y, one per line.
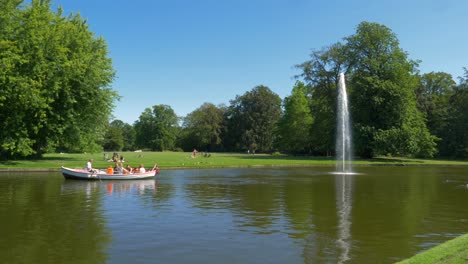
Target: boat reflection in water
pixel 111 187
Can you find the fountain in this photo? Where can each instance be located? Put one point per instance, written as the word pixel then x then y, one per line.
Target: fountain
pixel 343 130
pixel 343 172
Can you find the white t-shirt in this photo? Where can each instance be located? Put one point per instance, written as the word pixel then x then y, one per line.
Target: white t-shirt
pixel 142 170
pixel 88 166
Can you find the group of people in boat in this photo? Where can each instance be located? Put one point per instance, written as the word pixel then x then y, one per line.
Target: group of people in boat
pixel 120 169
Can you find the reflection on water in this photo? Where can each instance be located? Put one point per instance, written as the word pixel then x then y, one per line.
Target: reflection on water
pixel 111 187
pixel 42 225
pixel 344 205
pixel 267 215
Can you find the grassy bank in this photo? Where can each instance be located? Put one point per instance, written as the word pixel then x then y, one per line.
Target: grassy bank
pixel 452 251
pixel 214 160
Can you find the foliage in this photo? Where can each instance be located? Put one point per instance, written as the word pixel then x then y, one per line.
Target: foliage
pixel 251 120
pixel 321 73
pixel 381 82
pixel 203 127
pixel 456 132
pixel 119 136
pixel 54 81
pixel 294 126
pixel 157 128
pixel 433 97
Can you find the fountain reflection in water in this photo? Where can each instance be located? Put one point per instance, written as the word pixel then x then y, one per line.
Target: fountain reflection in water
pixel 343 130
pixel 344 207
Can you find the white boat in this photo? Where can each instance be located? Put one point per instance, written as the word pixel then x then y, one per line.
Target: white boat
pixel 102 175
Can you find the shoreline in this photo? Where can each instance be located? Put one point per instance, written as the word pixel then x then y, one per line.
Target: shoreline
pixel 2 170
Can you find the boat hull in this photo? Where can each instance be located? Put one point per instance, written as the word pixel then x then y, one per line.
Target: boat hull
pixel 100 175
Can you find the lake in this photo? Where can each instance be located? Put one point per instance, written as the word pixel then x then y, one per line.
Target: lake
pixel 233 215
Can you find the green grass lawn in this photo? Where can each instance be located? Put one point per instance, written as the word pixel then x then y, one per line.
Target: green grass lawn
pixel 454 251
pixel 215 160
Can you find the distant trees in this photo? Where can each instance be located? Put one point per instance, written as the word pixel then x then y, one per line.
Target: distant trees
pixel 157 128
pixel 251 120
pixel 54 82
pixel 433 97
pixel 295 126
pixel 203 128
pixel 119 136
pixel 456 133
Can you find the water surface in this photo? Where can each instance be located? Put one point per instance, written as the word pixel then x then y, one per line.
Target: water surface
pixel 266 215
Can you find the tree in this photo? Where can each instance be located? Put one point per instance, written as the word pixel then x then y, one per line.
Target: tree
pixel 129 137
pixel 294 126
pixel 252 118
pixel 119 136
pixel 204 127
pixel 157 128
pixel 381 81
pixel 54 82
pixel 383 101
pixel 433 94
pixel 113 139
pixel 456 133
pixel 321 74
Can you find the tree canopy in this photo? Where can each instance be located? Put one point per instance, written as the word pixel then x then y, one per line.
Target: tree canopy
pixel 203 128
pixel 381 81
pixel 54 81
pixel 157 128
pixel 252 118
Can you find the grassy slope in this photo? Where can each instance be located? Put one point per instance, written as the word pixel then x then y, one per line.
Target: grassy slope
pixel 453 251
pixel 183 160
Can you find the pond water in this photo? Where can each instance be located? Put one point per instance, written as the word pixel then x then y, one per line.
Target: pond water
pixel 261 215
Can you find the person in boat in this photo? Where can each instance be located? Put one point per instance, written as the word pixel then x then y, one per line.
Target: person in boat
pixel 110 170
pixel 89 166
pixel 156 168
pixel 141 169
pixel 116 168
pixel 120 169
pixel 129 168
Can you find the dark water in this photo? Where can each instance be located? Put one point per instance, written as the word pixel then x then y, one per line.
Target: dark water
pixel 272 215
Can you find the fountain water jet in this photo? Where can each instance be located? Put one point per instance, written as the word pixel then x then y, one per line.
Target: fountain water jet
pixel 343 131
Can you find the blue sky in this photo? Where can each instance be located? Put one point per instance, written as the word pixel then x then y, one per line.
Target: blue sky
pixel 184 53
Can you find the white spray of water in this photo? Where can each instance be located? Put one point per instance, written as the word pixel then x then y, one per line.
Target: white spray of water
pixel 343 131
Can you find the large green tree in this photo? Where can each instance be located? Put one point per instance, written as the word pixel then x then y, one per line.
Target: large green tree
pixel 251 120
pixel 203 128
pixel 157 128
pixel 294 127
pixel 381 81
pixel 54 81
pixel 383 101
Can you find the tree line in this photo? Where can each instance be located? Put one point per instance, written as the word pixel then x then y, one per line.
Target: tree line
pixel 55 96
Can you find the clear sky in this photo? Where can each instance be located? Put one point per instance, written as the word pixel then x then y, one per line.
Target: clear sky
pixel 184 53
